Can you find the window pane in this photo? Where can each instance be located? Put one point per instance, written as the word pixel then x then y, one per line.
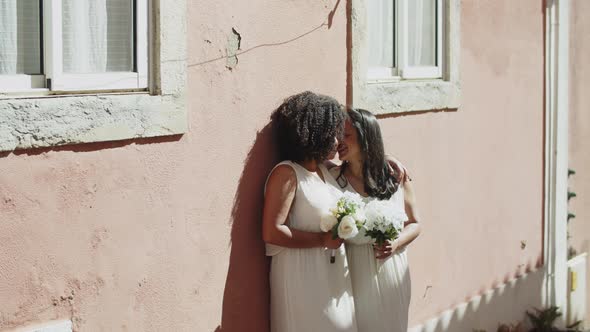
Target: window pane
pixel 97 36
pixel 422 33
pixel 20 37
pixel 381 33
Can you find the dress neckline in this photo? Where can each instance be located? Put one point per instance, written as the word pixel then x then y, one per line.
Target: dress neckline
pixel 314 174
pixel 351 188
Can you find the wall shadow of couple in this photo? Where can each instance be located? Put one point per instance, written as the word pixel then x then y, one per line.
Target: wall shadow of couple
pixel 246 296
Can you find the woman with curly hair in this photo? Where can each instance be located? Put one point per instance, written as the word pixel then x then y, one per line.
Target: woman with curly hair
pixel 308 294
pixel 380 274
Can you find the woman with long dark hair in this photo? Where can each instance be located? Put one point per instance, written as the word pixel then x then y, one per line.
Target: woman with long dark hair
pixel 380 274
pixel 307 292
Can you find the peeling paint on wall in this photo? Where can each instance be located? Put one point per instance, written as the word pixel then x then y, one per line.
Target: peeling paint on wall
pixel 233 46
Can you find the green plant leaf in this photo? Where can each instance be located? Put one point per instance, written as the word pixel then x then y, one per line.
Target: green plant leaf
pixel 570 195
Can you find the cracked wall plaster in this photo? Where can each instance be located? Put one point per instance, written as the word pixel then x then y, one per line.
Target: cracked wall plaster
pixel 233 46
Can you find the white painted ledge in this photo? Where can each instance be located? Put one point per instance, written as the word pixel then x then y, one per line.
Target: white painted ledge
pixel 53 326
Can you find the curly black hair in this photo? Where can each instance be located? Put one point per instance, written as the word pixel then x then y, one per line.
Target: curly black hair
pixel 307 124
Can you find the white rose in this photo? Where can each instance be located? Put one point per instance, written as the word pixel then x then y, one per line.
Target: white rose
pixel 327 222
pixel 347 228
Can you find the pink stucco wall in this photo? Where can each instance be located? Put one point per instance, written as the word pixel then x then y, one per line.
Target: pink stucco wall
pixel 478 171
pixel 141 233
pixel 163 234
pixel 579 129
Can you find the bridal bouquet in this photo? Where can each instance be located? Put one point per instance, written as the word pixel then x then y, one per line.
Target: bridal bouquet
pixel 383 221
pixel 344 220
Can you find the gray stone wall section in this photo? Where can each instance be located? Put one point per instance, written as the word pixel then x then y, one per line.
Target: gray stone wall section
pixel 53 121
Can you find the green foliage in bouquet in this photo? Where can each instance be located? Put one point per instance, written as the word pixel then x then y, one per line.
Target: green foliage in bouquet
pixel 381 238
pixel 344 208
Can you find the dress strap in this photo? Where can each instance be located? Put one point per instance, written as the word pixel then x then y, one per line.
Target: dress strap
pixel 271 249
pixel 284 162
pixel 328 177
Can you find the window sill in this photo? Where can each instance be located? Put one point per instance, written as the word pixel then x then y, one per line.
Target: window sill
pixel 46 93
pixel 33 122
pixel 382 97
pixel 25 93
pixel 380 80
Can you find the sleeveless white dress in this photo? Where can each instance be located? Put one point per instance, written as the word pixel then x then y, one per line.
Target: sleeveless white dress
pixel 307 293
pixel 381 287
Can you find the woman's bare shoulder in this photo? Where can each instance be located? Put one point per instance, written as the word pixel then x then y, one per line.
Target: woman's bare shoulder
pixel 282 173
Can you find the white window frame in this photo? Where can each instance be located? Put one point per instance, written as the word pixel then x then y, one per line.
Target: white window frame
pixel 402 70
pixel 406 88
pixel 41 118
pixel 419 72
pixel 23 82
pixel 55 80
pixel 60 81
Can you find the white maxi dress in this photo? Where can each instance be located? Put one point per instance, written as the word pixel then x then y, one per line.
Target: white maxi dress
pixel 307 292
pixel 381 287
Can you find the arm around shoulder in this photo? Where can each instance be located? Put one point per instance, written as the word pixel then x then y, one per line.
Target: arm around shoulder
pixel 410 202
pixel 412 227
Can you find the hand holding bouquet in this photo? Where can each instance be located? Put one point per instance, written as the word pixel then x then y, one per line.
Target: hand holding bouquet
pixel 344 220
pixel 383 221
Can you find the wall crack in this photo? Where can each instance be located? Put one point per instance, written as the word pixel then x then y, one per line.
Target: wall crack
pixel 234 44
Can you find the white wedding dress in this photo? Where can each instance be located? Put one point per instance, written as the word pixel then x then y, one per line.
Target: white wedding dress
pixel 381 287
pixel 307 293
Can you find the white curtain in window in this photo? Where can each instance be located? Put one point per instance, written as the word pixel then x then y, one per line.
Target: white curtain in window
pixel 8 33
pixel 20 44
pixel 380 33
pixel 97 36
pixel 422 32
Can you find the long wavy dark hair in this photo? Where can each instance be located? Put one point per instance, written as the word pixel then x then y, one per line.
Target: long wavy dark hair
pixel 378 180
pixel 307 124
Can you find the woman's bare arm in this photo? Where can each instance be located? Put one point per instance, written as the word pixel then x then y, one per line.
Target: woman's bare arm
pixel 279 197
pixel 411 228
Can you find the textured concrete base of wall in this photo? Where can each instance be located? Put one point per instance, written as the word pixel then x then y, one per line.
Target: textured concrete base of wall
pixel 506 304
